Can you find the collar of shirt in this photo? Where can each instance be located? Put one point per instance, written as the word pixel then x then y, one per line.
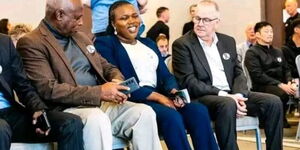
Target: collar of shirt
pixel 215 41
pixel 265 48
pixel 56 34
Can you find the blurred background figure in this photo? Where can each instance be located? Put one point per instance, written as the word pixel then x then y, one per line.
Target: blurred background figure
pixel 160 27
pixel 291 8
pixel 190 25
pixel 18 31
pixel 4 26
pixel 292 48
pixel 100 16
pixel 243 47
pixel 163 45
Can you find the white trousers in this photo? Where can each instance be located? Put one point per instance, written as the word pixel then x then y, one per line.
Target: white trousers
pixel 131 121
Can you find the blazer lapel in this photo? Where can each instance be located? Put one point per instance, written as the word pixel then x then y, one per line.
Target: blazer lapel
pixel 55 45
pixel 200 53
pixel 5 85
pixel 90 55
pixel 226 58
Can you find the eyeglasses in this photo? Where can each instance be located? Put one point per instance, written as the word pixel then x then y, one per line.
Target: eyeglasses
pixel 205 21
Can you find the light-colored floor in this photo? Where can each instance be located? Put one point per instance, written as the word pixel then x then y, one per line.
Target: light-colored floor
pixel 246 140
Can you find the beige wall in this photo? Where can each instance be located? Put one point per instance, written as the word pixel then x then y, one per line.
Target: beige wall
pixel 23 11
pixel 235 14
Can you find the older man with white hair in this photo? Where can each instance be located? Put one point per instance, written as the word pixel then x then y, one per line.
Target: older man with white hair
pixel 205 62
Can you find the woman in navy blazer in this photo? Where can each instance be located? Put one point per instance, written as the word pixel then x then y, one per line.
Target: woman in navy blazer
pixel 172 118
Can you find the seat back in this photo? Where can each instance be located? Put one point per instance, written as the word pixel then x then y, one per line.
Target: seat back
pixel 168 62
pixel 297 61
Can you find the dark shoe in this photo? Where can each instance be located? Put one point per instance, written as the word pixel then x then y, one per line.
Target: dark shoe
pixel 286 124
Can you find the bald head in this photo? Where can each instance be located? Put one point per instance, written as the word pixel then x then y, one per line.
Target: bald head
pixel 64 15
pixel 291 7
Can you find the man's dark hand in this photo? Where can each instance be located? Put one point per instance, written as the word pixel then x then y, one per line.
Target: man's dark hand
pixel 111 92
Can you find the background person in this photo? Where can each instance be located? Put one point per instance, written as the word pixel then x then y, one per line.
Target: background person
pixel 271 75
pixel 190 25
pixel 100 13
pixel 291 49
pixel 163 45
pixel 243 47
pixel 5 26
pixel 291 7
pixel 160 27
pixel 18 31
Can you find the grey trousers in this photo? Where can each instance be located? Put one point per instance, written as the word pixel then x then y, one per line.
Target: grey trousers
pixel 130 121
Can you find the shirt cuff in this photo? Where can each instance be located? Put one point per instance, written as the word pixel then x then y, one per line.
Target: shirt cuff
pixel 240 94
pixel 222 93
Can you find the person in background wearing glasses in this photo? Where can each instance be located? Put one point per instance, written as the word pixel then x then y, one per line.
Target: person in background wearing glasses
pixel 268 68
pixel 205 62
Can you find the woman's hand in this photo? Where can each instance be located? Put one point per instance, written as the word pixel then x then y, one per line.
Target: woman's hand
pixel 154 96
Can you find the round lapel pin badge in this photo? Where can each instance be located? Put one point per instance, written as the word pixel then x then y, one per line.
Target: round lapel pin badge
pixel 279 59
pixel 91 49
pixel 226 56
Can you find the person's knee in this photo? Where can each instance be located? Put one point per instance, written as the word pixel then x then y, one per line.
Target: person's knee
pixel 142 112
pixel 228 106
pixel 96 118
pixel 274 102
pixel 201 111
pixel 5 130
pixel 72 124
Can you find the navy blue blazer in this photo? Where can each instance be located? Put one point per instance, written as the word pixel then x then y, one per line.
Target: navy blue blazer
pixel 13 77
pixel 111 49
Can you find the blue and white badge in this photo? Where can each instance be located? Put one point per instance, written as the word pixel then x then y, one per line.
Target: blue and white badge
pixel 91 49
pixel 0 69
pixel 279 59
pixel 226 56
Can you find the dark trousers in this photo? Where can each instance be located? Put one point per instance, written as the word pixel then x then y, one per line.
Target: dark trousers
pixel 16 126
pixel 276 91
pixel 193 117
pixel 267 107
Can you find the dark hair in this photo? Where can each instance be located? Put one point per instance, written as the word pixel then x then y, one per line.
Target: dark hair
pixel 295 24
pixel 3 26
pixel 161 10
pixel 111 15
pixel 260 25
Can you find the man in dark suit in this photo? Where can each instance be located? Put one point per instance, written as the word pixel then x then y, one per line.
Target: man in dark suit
pixel 205 62
pixel 190 25
pixel 160 27
pixel 17 123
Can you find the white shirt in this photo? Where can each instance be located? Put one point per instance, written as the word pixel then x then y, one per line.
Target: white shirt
pixel 144 61
pixel 212 54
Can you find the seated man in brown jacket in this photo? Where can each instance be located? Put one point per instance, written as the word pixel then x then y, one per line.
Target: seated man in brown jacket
pixel 71 77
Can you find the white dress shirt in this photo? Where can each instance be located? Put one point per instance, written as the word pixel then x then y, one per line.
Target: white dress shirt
pixel 212 54
pixel 144 61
